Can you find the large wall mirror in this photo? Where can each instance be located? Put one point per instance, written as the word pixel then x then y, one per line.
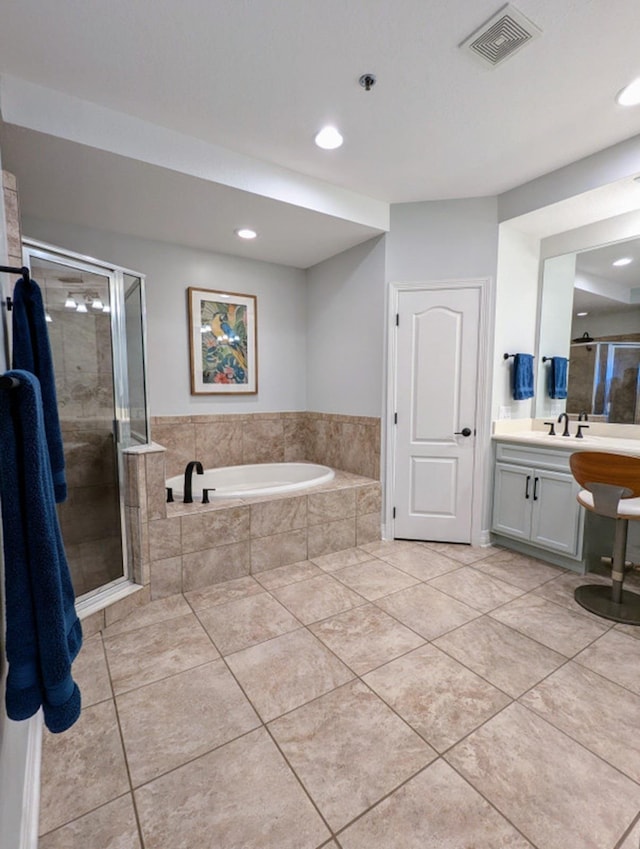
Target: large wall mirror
pixel 590 313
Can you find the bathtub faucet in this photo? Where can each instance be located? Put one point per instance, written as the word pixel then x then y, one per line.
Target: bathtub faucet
pixel 188 473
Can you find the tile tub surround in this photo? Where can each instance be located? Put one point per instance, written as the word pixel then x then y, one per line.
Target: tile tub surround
pixel 220 718
pixel 180 547
pixel 349 443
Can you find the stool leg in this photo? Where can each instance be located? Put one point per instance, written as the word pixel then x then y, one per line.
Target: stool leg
pixel 619 552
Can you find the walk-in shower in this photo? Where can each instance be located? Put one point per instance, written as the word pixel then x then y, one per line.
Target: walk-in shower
pixel 95 314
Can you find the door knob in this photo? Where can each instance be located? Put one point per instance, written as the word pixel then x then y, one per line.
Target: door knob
pixel 466 431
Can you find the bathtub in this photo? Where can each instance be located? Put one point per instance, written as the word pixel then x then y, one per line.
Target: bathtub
pixel 254 480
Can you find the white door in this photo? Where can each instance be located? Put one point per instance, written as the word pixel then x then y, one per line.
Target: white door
pixel 436 387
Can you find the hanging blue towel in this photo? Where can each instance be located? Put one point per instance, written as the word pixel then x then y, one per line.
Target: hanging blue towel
pixel 557 377
pixel 32 352
pixel 522 376
pixel 43 632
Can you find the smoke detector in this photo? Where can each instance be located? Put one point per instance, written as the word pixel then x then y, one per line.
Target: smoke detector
pixel 501 36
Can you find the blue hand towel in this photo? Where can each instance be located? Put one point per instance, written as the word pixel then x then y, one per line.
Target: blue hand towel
pixel 43 632
pixel 32 352
pixel 522 376
pixel 558 377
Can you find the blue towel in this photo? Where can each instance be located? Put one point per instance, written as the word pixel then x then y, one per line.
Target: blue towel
pixel 557 377
pixel 32 352
pixel 43 632
pixel 522 376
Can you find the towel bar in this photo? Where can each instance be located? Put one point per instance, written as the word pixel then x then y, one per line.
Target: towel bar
pixel 9 382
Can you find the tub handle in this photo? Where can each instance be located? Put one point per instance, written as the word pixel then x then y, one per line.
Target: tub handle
pixel 205 494
pixel 169 493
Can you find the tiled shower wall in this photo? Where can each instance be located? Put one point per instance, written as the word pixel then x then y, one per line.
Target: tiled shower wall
pixel 349 443
pixel 12 216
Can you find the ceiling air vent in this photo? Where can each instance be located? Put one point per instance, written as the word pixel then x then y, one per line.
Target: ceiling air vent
pixel 501 36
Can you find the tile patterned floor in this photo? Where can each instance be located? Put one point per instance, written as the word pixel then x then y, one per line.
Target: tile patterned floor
pixel 397 696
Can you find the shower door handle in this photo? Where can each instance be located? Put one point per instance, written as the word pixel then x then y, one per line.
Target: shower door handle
pixel 117 431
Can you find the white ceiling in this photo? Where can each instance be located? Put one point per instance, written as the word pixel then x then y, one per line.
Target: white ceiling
pixel 261 77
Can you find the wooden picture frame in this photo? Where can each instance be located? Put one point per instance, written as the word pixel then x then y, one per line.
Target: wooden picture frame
pixel 222 342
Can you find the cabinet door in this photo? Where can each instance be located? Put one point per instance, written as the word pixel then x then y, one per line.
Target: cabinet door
pixel 512 500
pixel 555 518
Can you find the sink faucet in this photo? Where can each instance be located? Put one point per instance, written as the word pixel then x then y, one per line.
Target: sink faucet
pixel 566 423
pixel 583 417
pixel 188 472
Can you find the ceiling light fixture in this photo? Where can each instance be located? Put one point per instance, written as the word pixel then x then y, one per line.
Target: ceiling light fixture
pixel 581 314
pixel 328 138
pixel 625 260
pixel 630 94
pixel 106 308
pixel 246 233
pixel 81 308
pixel 96 303
pixel 47 317
pixel 70 303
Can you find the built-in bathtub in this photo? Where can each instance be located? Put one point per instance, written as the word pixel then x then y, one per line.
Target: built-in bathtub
pixel 253 480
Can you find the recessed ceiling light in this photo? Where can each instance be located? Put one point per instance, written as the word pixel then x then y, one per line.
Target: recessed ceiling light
pixel 581 314
pixel 328 138
pixel 625 260
pixel 246 233
pixel 630 94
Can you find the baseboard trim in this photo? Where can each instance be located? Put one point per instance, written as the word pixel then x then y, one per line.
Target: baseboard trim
pixel 31 790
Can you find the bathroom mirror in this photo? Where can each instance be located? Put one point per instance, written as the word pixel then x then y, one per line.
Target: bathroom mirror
pixel 590 313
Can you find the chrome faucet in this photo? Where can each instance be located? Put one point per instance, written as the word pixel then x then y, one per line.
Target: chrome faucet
pixel 188 472
pixel 566 423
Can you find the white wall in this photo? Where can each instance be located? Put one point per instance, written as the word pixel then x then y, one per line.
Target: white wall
pixel 555 327
pixel 345 332
pixel 442 240
pixel 169 270
pixel 618 323
pixel 515 316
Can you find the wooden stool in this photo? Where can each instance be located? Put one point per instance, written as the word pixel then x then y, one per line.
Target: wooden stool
pixel 611 487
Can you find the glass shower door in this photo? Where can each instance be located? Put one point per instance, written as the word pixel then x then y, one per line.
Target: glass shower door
pixel 95 316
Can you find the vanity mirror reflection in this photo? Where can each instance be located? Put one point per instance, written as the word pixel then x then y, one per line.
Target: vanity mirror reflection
pixel 590 313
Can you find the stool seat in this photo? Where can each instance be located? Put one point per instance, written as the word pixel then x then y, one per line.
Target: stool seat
pixel 610 487
pixel 628 508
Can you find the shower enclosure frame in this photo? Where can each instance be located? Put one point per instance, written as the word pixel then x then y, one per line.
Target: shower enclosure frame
pixel 122 431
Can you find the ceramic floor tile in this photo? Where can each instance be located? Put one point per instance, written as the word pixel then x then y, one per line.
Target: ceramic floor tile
pixel 349 750
pixel 247 621
pixel 286 672
pixel 436 695
pixel 427 610
pixel 90 672
pixel 616 656
pixel 90 759
pixel 505 657
pixel 560 590
pixel 435 810
pixel 478 590
pixel 242 796
pixel 465 554
pixel 518 569
pixel 374 579
pixel 170 722
pixel 558 794
pixel 630 630
pixel 149 654
pixel 548 623
pixel 223 592
pixel 420 562
pixel 149 614
pixel 593 711
pixel 632 840
pixel 384 547
pixel 317 598
pixel 366 637
pixel 340 559
pixel 113 826
pixel 283 575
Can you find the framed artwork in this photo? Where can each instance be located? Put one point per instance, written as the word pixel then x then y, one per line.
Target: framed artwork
pixel 222 342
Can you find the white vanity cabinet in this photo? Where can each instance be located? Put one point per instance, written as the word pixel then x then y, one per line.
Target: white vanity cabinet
pixel 535 500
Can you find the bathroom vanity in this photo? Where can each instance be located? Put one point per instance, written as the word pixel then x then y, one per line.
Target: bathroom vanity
pixel 535 510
